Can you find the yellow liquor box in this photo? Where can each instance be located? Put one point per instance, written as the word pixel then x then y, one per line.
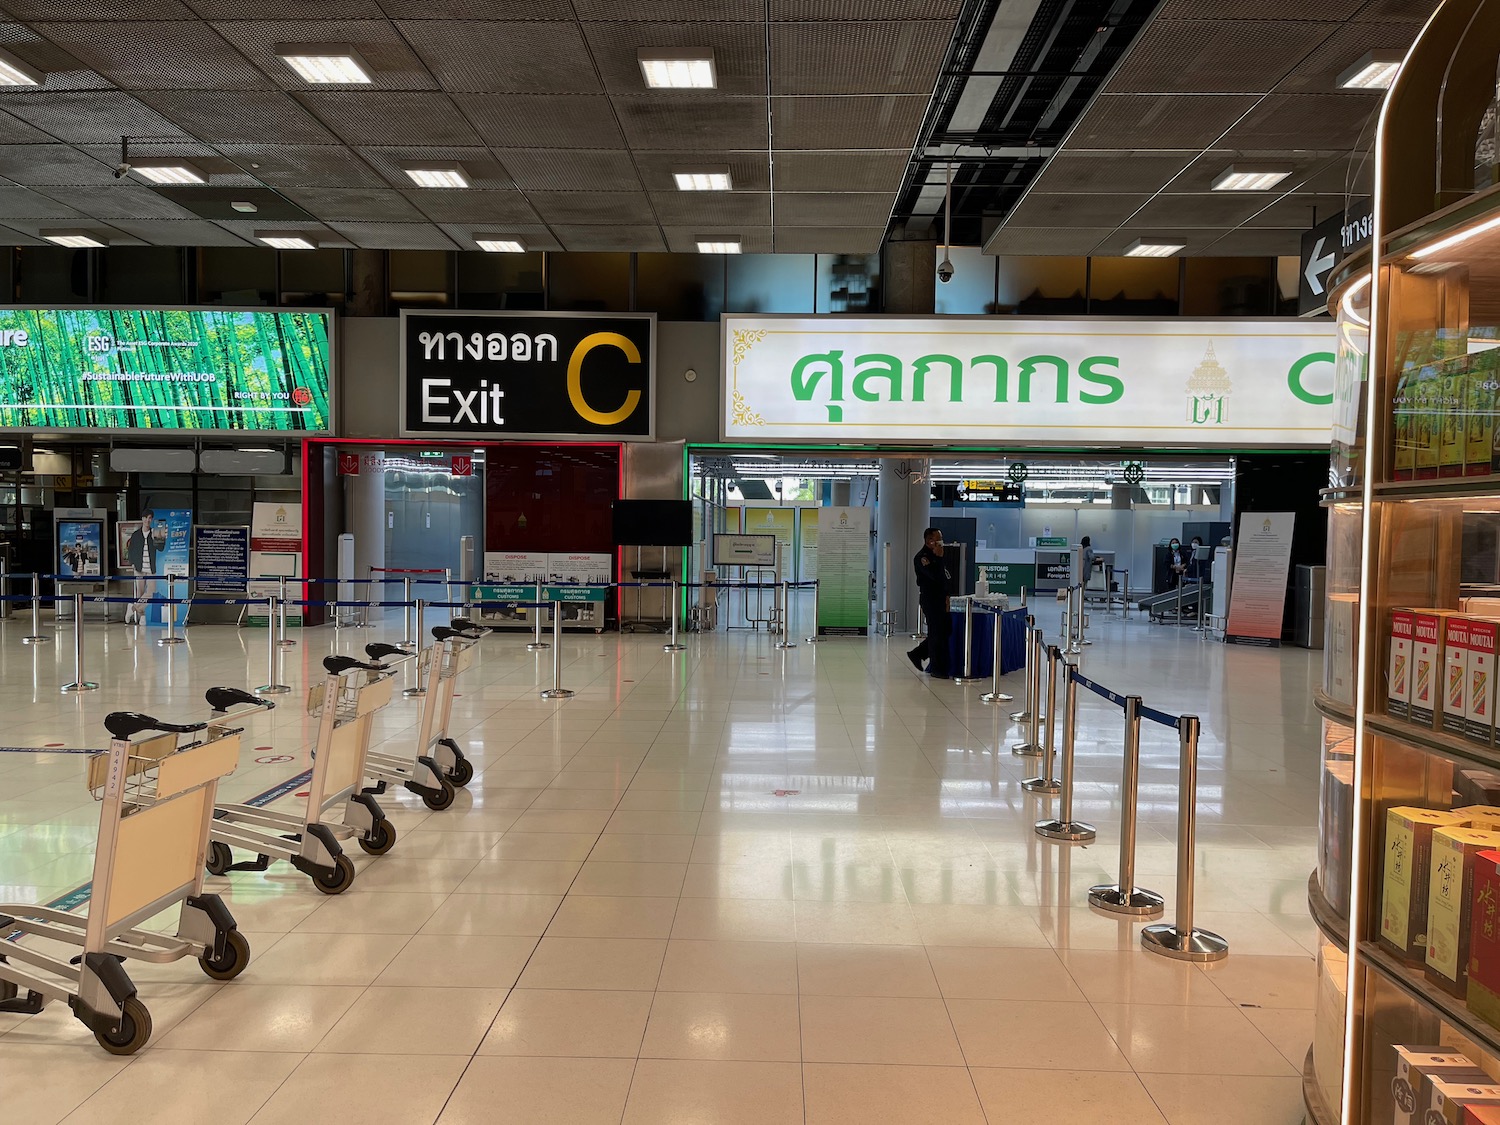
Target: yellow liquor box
pixel 1450 896
pixel 1403 900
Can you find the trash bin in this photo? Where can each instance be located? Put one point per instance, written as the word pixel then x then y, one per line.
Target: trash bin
pixel 1310 599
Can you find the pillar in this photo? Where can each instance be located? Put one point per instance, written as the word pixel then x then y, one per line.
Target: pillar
pixel 839 494
pixel 902 509
pixel 909 284
pixel 364 507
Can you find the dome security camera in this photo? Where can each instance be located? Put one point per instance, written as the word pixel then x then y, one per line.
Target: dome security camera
pixel 121 171
pixel 945 271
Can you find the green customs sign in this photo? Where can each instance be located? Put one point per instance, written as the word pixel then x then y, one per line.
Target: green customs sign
pixel 196 370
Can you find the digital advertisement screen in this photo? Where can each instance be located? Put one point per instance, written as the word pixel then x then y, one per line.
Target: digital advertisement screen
pixel 165 369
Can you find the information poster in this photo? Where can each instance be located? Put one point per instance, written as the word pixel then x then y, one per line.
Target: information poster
pixel 780 523
pixel 565 576
pixel 275 553
pixel 1262 558
pixel 844 571
pixel 80 546
pixel 221 557
pixel 510 577
pixel 807 544
pixel 1009 578
pixel 172 532
pixel 735 549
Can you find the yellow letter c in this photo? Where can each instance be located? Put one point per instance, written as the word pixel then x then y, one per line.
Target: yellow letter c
pixel 575 379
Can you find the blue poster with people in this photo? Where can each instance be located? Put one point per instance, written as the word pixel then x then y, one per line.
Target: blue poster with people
pixel 171 554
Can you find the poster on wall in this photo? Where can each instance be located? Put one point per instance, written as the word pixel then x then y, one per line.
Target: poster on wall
pixel 80 548
pixel 528 374
pixel 843 572
pixel 275 553
pixel 1045 382
pixel 781 523
pixel 807 544
pixel 221 557
pixel 510 577
pixel 165 547
pixel 187 370
pixel 736 549
pixel 1262 559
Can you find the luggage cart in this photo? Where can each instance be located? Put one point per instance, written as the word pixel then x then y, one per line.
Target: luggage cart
pixel 438 767
pixel 345 702
pixel 157 797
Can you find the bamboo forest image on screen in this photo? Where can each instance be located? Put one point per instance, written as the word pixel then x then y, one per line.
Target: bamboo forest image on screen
pixel 164 369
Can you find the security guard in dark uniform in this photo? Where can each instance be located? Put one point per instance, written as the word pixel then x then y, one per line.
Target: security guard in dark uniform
pixel 932 593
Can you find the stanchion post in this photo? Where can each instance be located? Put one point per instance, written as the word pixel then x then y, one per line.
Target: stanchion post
pixel 79 684
pixel 672 645
pixel 537 644
pixel 1064 828
pixel 447 587
pixel 813 638
pixel 1032 746
pixel 995 695
pixel 408 641
pixel 1044 781
pixel 1198 628
pixel 419 689
pixel 273 684
pixel 966 676
pixel 1124 897
pixel 169 610
pixel 36 637
pixel 1024 714
pixel 786 616
pixel 557 691
pixel 1181 940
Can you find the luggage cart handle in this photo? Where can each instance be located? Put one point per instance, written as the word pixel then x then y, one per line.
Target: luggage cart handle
pixel 466 626
pixel 379 650
pixel 128 724
pixel 221 699
pixel 338 665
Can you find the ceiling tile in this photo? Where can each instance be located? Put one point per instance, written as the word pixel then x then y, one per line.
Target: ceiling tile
pixel 179 232
pixel 352 204
pixel 593 208
pixel 98 9
pixel 504 58
pixel 290 166
pixel 1229 10
pixel 157 55
pixel 61 70
pixel 556 121
pixel 674 11
pixel 1318 73
pixel 54 164
pixel 832 209
pixel 1115 244
pixel 739 53
pixel 1046 240
pixel 301 10
pixel 376 118
pixel 821 10
pixel 719 208
pixel 479 165
pixel 17 132
pixel 476 9
pixel 684 240
pixel 557 170
pixel 1215 209
pixel 119 200
pixel 829 240
pixel 748 171
pixel 1302 121
pixel 1039 209
pixel 1158 121
pixel 241 116
pixel 22 203
pixel 840 171
pixel 395 236
pixel 533 236
pixel 1256 243
pixel 392 64
pixel 877 122
pixel 619 237
pixel 89 116
pixel 495 206
pixel 1301 211
pixel 858 58
pixel 1209 56
pixel 1105 171
pixel 685 122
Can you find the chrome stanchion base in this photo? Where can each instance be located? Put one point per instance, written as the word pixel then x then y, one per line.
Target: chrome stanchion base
pixel 1195 945
pixel 272 689
pixel 537 646
pixel 996 697
pixel 76 687
pixel 674 648
pixel 969 679
pixel 1074 649
pixel 557 693
pixel 404 646
pixel 164 641
pixel 1133 903
pixel 1026 750
pixel 786 644
pixel 414 693
pixel 1068 831
pixel 812 640
pixel 1021 717
pixel 1050 785
pixel 288 643
pixel 35 640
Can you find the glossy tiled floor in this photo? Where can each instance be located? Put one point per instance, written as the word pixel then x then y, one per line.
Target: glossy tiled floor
pixel 730 885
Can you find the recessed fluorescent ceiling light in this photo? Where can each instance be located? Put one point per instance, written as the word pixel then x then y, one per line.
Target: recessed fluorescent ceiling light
pixel 285 240
pixel 169 172
pixel 1375 70
pixel 702 179
pixel 438 176
pixel 666 69
pixel 77 239
pixel 325 63
pixel 1153 248
pixel 13 72
pixel 494 244
pixel 718 247
pixel 244 206
pixel 1238 177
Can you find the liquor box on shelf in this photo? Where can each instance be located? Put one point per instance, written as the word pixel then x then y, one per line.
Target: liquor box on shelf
pixel 1476 787
pixel 1455 699
pixel 1479 719
pixel 1451 1098
pixel 1398 681
pixel 1408 850
pixel 1339 645
pixel 1429 627
pixel 1482 1115
pixel 1449 899
pixel 1335 832
pixel 1484 939
pixel 1416 1070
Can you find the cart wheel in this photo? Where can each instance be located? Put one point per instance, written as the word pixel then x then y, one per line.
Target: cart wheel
pixel 382 838
pixel 439 799
pixel 232 963
pixel 338 880
pixel 220 858
pixel 462 773
pixel 133 1032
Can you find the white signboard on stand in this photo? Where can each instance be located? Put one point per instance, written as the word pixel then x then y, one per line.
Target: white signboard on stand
pixel 1262 559
pixel 275 553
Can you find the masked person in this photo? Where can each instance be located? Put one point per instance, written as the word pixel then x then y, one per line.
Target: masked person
pixel 1177 561
pixel 932 594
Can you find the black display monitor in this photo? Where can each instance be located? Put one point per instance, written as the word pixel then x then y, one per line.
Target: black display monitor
pixel 653 523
